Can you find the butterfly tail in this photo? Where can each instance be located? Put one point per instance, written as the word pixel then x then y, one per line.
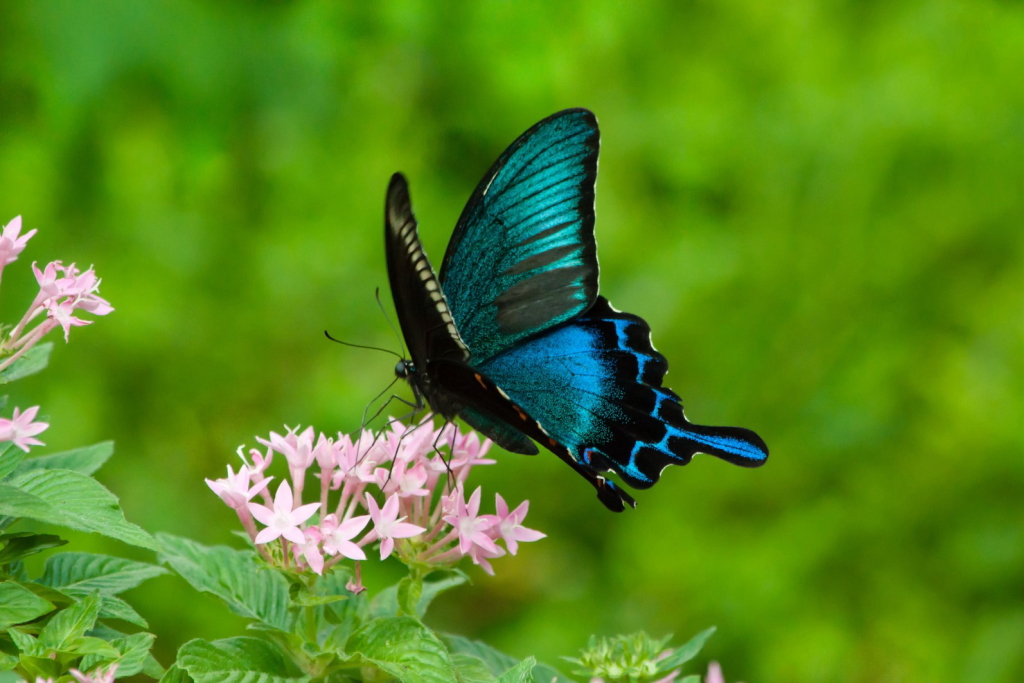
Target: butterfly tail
pixel 640 448
pixel 733 444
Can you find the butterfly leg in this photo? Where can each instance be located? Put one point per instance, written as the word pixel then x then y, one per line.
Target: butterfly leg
pixel 428 419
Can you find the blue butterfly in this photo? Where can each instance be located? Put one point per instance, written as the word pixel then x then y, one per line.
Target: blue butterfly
pixel 513 337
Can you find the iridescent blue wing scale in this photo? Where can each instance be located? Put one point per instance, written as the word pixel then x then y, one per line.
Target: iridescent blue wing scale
pixel 595 385
pixel 523 257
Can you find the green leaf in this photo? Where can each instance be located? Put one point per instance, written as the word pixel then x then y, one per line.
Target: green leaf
pixel 91 646
pixel 300 595
pixel 70 623
pixel 80 502
pixel 23 544
pixel 8 662
pixel 10 458
pixel 19 605
pixel 520 673
pixel 404 648
pixel 17 503
pixel 40 667
pixel 34 360
pixel 499 663
pixel 409 592
pixel 26 644
pixel 686 652
pixel 247 660
pixel 470 669
pixel 496 661
pixel 59 599
pixel 85 460
pixel 90 572
pixel 115 608
pixel 130 654
pixel 234 576
pixel 348 616
pixel 175 674
pixel 304 599
pixel 385 604
pixel 692 678
pixel 152 668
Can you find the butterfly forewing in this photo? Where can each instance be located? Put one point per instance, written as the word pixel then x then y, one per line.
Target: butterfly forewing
pixel 423 313
pixel 523 257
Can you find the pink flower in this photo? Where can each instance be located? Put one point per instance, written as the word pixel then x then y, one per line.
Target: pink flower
pixel 282 520
pixel 471 527
pixel 78 288
pixel 714 674
pixel 260 462
pixel 467 449
pixel 296 448
pixel 324 453
pixel 50 285
pixel 510 525
pixel 60 313
pixel 480 555
pixel 355 584
pixel 338 537
pixel 97 676
pixel 11 244
pixel 309 549
pixel 388 526
pixel 403 479
pixel 234 489
pixel 21 429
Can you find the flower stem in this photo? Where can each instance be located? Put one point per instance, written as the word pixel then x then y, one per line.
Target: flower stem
pixel 26 343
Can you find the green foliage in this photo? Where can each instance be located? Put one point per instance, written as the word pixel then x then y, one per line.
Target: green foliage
pixel 816 205
pixel 234 576
pixel 56 621
pixel 35 360
pixel 318 628
pixel 635 658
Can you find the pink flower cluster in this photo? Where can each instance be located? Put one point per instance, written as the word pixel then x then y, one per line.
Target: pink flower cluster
pixel 100 675
pixel 425 515
pixel 62 291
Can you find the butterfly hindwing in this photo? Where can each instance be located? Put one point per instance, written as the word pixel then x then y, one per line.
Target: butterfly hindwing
pixel 523 256
pixel 464 385
pixel 595 384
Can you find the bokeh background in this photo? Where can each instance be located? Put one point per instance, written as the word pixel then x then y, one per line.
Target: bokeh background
pixel 817 206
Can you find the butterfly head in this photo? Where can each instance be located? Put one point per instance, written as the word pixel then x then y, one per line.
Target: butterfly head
pixel 405 369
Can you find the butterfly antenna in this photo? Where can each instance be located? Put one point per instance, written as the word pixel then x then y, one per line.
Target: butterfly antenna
pixel 361 346
pixel 401 342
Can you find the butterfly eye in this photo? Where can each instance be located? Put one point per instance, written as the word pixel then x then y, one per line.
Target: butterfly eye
pixel 404 369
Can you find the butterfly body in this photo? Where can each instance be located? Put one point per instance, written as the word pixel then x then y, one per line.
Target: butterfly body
pixel 513 337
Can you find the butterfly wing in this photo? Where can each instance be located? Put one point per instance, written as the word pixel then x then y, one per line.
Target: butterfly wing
pixel 466 385
pixel 427 325
pixel 523 256
pixel 423 313
pixel 595 385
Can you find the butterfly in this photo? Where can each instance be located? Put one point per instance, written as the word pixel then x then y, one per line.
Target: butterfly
pixel 513 338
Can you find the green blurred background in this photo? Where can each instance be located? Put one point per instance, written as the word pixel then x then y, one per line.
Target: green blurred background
pixel 817 206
